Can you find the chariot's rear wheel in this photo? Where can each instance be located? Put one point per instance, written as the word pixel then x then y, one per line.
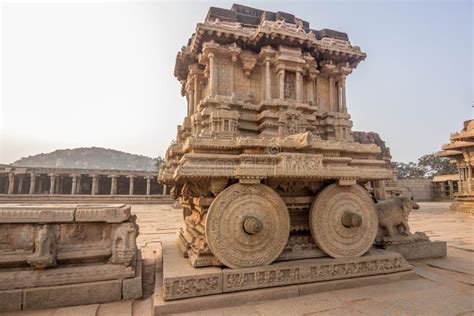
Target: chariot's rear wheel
pixel 247 225
pixel 343 221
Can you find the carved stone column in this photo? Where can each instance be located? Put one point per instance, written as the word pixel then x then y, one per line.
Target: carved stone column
pixel 281 74
pixel 11 183
pixel 268 80
pixel 212 75
pixel 132 184
pixel 52 183
pixel 341 95
pixel 451 189
pixel 165 188
pixel 191 102
pixel 311 89
pixel 196 94
pixel 331 94
pixel 148 185
pixel 95 184
pixel 20 184
pixel 113 184
pixel 299 86
pixel 74 184
pixel 32 183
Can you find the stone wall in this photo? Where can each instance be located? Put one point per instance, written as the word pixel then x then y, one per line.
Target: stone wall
pixel 419 189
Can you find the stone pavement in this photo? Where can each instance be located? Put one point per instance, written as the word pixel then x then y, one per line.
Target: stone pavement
pixel 445 286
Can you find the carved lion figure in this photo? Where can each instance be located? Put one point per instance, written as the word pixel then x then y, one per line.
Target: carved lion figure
pixel 393 217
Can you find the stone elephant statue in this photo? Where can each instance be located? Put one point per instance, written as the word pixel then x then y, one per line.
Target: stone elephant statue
pixel 393 217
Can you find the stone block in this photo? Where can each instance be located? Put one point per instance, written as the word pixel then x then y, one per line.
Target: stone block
pixel 419 250
pixel 313 270
pixel 132 288
pixel 181 280
pixel 63 275
pixel 102 213
pixel 74 294
pixel 10 300
pixel 14 213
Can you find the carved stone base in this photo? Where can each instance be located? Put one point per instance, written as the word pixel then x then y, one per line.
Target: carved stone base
pixel 181 280
pixel 419 250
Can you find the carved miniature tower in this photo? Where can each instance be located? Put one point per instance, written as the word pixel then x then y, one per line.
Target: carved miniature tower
pixel 264 164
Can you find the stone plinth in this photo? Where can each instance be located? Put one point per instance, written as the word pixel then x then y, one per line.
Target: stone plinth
pixel 61 255
pixel 181 280
pixel 419 250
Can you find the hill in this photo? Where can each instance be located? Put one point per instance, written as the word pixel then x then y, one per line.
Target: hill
pixel 88 158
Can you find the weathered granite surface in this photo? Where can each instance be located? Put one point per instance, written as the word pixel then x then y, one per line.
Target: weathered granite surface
pixel 181 280
pixel 268 135
pixel 60 255
pixel 394 232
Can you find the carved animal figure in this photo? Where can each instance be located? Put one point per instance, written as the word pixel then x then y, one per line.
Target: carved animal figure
pixel 45 248
pixel 393 216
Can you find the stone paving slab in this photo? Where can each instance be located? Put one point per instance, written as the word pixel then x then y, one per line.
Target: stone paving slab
pixel 440 290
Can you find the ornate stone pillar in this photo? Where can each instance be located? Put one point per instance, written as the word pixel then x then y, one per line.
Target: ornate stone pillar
pixel 299 86
pixel 148 185
pixel 113 184
pixel 74 184
pixel 95 184
pixel 52 183
pixel 281 74
pixel 196 93
pixel 191 102
pixel 11 183
pixel 317 98
pixel 268 80
pixel 132 184
pixel 451 189
pixel 341 95
pixel 311 89
pixel 331 94
pixel 212 75
pixel 32 183
pixel 165 188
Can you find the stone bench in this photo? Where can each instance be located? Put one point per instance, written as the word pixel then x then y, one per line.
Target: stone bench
pixel 61 255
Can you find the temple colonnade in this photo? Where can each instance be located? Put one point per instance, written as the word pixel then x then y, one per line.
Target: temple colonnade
pixel 62 181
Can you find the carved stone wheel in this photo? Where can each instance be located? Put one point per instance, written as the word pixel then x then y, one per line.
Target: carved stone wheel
pixel 247 225
pixel 343 221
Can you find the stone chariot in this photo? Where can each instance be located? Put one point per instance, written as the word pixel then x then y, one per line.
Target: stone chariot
pixel 265 165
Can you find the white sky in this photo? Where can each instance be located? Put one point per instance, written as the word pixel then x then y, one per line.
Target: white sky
pixel 101 73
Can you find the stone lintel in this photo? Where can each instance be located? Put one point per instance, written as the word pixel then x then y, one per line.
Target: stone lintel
pixel 102 213
pixel 36 214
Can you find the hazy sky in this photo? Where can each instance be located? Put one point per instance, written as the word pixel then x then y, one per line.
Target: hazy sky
pixel 80 74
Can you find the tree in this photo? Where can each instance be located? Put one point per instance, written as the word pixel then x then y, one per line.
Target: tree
pixel 409 170
pixel 427 166
pixel 435 166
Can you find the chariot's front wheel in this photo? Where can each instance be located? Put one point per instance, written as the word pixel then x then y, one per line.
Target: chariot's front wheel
pixel 343 221
pixel 247 225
